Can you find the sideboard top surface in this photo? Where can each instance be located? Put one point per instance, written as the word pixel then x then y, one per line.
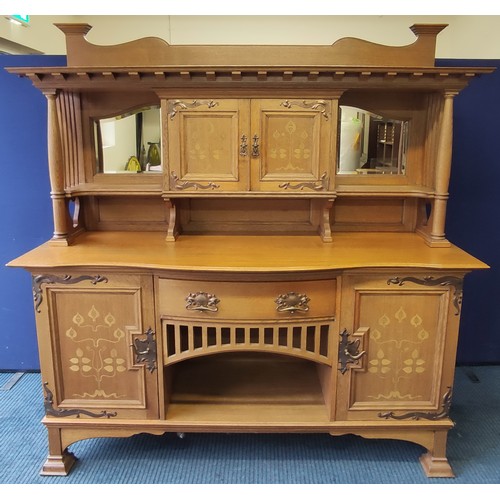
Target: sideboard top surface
pixel 149 250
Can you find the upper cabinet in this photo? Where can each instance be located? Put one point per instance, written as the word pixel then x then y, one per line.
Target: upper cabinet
pixel 292 145
pixel 256 145
pixel 207 145
pixel 354 136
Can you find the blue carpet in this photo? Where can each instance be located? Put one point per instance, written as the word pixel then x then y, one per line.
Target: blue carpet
pixel 219 459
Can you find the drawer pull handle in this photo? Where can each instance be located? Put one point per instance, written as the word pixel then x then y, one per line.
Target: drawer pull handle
pixel 202 301
pixel 244 145
pixel 255 146
pixel 292 302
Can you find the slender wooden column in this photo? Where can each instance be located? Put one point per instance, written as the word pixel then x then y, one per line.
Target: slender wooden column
pixel 56 172
pixel 443 169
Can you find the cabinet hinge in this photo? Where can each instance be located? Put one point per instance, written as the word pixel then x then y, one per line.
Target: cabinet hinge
pixel 348 351
pixel 145 350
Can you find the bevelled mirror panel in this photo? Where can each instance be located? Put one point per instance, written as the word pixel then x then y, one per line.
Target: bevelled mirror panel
pixel 129 143
pixel 370 143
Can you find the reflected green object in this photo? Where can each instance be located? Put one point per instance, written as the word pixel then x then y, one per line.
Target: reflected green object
pixel 133 165
pixel 154 153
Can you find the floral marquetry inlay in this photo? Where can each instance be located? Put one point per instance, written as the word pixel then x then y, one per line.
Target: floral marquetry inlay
pixel 399 351
pixel 208 144
pixel 290 144
pixel 380 364
pixel 98 349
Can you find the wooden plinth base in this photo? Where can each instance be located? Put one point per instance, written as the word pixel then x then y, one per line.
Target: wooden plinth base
pixel 58 465
pixel 436 467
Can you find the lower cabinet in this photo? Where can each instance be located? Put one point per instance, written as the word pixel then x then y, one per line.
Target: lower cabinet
pixel 92 330
pixel 402 331
pixel 369 353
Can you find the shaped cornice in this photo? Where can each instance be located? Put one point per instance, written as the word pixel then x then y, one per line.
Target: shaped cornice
pixel 153 64
pixel 149 52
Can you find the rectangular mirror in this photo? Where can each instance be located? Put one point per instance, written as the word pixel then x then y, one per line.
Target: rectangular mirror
pixel 129 142
pixel 370 143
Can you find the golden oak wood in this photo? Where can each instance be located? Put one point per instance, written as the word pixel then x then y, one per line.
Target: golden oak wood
pixel 157 52
pixel 248 285
pixel 287 254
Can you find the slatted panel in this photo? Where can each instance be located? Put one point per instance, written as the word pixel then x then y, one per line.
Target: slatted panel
pixel 309 340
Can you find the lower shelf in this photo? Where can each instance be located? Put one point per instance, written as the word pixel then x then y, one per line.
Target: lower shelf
pixel 241 416
pixel 244 388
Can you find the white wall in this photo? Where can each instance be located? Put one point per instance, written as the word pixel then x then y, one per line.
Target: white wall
pixel 467 36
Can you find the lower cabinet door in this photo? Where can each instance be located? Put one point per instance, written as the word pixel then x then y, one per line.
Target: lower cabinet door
pixel 97 345
pixel 397 347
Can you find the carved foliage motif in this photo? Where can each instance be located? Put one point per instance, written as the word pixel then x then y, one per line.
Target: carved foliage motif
pixel 39 279
pixel 320 106
pixel 73 412
pixel 176 106
pixel 453 281
pixel 418 415
pixel 320 185
pixel 180 185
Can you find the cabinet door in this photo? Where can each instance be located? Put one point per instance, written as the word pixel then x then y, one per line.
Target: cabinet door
pixel 291 145
pixel 208 145
pixel 398 346
pixel 87 327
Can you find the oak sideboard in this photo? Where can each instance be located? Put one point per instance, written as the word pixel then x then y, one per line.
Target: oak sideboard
pixel 249 239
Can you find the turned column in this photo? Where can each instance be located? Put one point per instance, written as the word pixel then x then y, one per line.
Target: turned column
pixel 56 172
pixel 443 169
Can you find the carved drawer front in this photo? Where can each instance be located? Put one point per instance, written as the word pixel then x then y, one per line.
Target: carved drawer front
pixel 290 300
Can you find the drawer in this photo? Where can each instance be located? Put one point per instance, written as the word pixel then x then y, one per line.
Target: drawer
pixel 291 300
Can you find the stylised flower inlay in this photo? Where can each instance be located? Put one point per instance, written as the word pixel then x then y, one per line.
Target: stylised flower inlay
pixel 414 363
pixel 80 362
pixel 381 364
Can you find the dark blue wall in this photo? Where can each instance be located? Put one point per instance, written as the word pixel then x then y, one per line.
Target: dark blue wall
pixel 25 208
pixel 26 218
pixel 473 221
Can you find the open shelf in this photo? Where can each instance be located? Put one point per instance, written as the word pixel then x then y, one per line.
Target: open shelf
pixel 245 388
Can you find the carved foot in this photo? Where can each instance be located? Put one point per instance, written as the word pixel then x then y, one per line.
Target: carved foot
pixel 58 465
pixel 436 467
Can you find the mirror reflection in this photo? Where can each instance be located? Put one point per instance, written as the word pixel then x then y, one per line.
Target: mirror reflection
pixel 370 143
pixel 129 143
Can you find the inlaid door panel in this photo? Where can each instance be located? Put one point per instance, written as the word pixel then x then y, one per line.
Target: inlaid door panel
pixel 208 144
pixel 93 328
pixel 401 334
pixel 291 145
